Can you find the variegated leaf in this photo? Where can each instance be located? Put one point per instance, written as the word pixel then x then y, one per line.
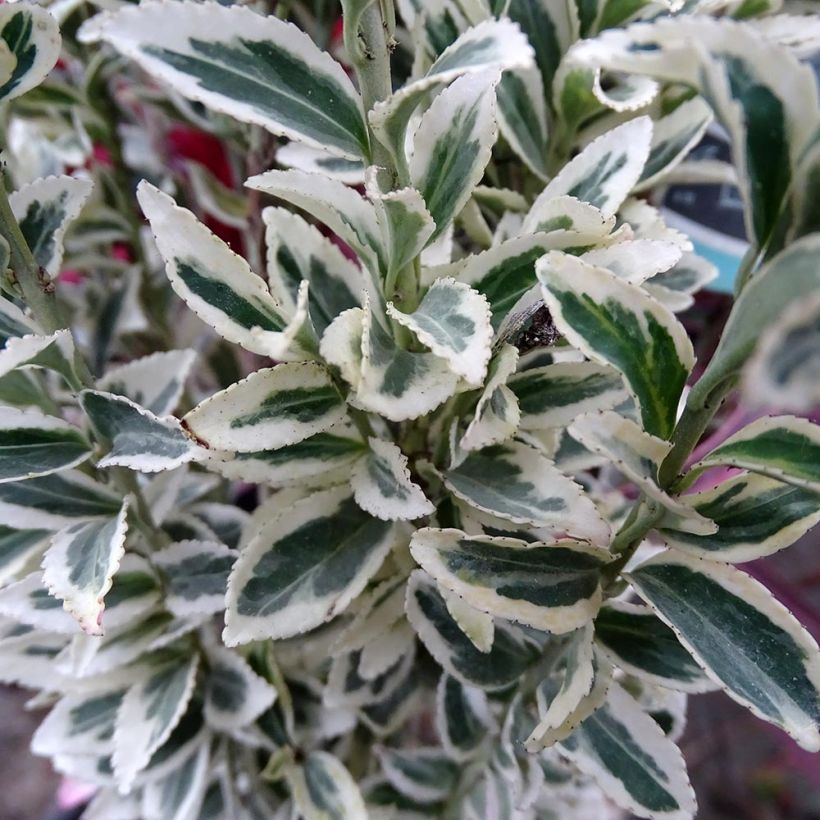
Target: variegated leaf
pixel 568 213
pixel 635 260
pixel 515 482
pixel 784 370
pixel 323 787
pixel 346 688
pixel 406 225
pixel 215 198
pixel 81 723
pixel 256 69
pixel 348 214
pixel 641 644
pixel 425 775
pixel 638 456
pixel 478 626
pixel 377 612
pixel 235 695
pixel 135 437
pixel 27 601
pixel 56 500
pixel 491 45
pixel 572 705
pixel 453 320
pixel 196 576
pixel 452 145
pixel 522 117
pixel 399 384
pixel 554 587
pixel 511 651
pixel 135 591
pixel 217 284
pixel 383 487
pixel 13 321
pixel 297 252
pixel 32 444
pixel 793 275
pixel 756 516
pixel 504 273
pixel 304 157
pixel 44 209
pixel 32 37
pixel 745 640
pixel 463 717
pixel 549 28
pixel 606 170
pixel 497 415
pixel 627 754
pixel 761 94
pixel 784 447
pixel 673 137
pixel 150 711
pixel 179 795
pixel 53 352
pixel 675 287
pixel 303 567
pixel 271 408
pixel 156 382
pixel 80 565
pixel 554 395
pixel 18 549
pixel 320 459
pixel 615 323
pixel 577 680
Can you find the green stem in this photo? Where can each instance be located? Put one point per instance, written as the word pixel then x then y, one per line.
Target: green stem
pixel 696 416
pixel 370 56
pixel 39 294
pixel 34 282
pixel 643 516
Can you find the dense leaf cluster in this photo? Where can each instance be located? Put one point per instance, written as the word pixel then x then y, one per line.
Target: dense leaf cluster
pixel 349 533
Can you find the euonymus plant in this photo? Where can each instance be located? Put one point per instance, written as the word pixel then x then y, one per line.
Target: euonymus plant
pixel 407 523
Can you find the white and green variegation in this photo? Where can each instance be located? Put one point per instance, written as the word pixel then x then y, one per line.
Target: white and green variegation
pixel 720 615
pixel 134 436
pixel 44 210
pixel 33 444
pixel 269 409
pixel 218 285
pixel 784 447
pixel 383 487
pixel 245 65
pixel 31 47
pixel 278 588
pixel 554 587
pixel 80 564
